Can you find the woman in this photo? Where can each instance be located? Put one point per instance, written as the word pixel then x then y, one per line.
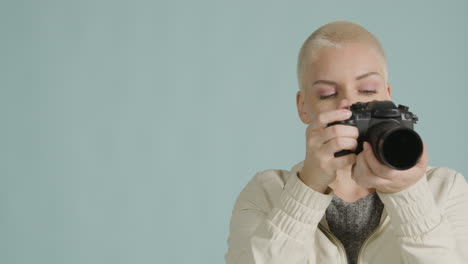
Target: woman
pixel 349 209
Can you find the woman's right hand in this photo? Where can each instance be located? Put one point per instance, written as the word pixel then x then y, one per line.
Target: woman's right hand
pixel 322 142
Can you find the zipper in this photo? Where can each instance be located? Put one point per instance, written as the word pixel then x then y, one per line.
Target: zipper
pixel 341 248
pixel 378 229
pixel 335 241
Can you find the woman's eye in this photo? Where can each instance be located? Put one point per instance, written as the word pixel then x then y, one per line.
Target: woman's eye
pixel 323 97
pixel 368 91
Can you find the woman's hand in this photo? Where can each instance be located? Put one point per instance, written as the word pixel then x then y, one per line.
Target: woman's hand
pixel 371 173
pixel 322 142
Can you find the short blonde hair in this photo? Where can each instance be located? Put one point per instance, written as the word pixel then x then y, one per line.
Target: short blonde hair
pixel 335 34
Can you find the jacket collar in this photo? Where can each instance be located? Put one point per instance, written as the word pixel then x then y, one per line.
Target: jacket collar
pixel 298 166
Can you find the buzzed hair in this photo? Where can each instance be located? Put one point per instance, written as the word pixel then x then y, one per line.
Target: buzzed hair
pixel 335 34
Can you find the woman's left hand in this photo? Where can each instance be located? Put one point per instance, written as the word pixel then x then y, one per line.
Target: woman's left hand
pixel 371 173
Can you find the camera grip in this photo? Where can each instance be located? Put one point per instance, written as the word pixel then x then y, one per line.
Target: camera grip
pixel 345 122
pixel 342 153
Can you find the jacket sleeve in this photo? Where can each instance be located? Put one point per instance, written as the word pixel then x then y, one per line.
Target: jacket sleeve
pixel 430 233
pixel 269 230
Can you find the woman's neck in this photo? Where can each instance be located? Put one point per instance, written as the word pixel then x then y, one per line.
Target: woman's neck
pixel 346 188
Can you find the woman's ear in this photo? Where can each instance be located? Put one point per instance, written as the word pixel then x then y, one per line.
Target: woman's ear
pixel 301 109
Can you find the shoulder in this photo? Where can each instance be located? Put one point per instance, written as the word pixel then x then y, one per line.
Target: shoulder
pixel 445 182
pixel 440 172
pixel 442 175
pixel 273 179
pixel 264 189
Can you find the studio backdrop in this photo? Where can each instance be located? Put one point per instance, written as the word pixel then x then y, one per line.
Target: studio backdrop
pixel 128 128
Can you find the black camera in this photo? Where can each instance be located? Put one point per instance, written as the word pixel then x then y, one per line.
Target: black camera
pixel 389 130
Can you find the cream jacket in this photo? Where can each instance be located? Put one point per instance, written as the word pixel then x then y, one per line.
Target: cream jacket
pixel 279 219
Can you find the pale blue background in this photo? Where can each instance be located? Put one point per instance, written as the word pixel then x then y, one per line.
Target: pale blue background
pixel 128 128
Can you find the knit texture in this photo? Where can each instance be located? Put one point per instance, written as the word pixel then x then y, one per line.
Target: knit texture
pixel 353 222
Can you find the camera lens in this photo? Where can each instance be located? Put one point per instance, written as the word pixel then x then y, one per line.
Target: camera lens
pixel 401 148
pixel 394 145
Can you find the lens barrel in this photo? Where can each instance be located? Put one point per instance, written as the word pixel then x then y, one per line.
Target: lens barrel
pixel 396 146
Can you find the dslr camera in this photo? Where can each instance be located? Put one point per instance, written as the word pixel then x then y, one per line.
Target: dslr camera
pixel 389 130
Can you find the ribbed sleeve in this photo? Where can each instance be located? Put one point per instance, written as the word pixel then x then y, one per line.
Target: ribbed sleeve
pixel 412 211
pixel 300 209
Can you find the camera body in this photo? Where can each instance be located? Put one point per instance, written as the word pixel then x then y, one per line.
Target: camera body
pixel 389 129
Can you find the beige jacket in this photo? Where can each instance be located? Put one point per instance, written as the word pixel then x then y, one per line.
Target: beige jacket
pixel 279 219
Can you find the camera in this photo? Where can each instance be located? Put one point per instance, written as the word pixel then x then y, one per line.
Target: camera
pixel 389 130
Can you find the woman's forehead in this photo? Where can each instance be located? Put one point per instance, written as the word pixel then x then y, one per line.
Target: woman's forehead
pixel 353 60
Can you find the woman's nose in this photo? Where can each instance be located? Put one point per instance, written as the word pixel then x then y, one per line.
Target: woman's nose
pixel 343 104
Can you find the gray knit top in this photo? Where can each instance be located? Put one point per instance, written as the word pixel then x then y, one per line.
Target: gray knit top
pixel 352 222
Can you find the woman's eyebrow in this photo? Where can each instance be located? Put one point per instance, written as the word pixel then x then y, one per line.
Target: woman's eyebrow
pixel 325 82
pixel 366 75
pixel 335 84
